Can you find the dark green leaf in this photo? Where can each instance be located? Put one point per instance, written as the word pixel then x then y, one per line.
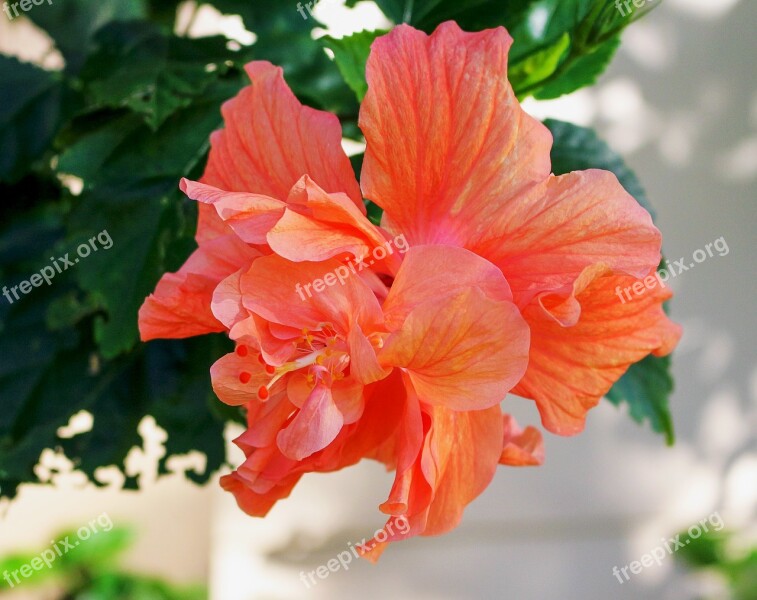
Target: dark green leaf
pixel 137 66
pixel 286 40
pixel 72 23
pixel 30 114
pixel 578 148
pixel 646 387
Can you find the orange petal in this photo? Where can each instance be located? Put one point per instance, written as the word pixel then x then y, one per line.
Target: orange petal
pixel 284 292
pixel 446 137
pixel 467 447
pixel 571 367
pixel 317 226
pixel 464 352
pixel 546 238
pixel 314 427
pixel 271 140
pixel 364 364
pixel 229 383
pixel 432 272
pixel 455 462
pixel 250 216
pixel 181 304
pixel 521 447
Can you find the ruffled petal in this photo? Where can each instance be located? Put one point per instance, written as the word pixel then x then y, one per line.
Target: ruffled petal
pixel 521 447
pixel 317 226
pixel 288 293
pixel 314 427
pixel 543 240
pixel 432 272
pixel 463 352
pixel 180 306
pixel 570 368
pixel 270 140
pixel 446 137
pixel 250 216
pixel 455 456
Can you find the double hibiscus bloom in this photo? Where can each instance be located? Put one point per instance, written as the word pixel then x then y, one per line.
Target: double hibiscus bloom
pixel 508 282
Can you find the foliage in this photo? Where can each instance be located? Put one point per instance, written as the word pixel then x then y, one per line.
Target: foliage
pixel 715 552
pixel 90 571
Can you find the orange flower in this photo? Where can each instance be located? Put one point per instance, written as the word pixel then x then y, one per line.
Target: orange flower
pixel 509 281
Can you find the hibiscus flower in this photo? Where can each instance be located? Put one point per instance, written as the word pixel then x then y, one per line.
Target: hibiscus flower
pixel 508 283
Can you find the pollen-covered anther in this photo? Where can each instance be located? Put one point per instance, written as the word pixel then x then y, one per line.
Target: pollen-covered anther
pixel 242 350
pixel 263 392
pixel 270 369
pixel 244 377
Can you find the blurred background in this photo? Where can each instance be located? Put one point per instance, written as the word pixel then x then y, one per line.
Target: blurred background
pixel 679 103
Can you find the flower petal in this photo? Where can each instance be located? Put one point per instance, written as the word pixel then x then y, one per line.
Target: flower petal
pixel 464 352
pixel 445 135
pixel 314 427
pixel 280 291
pixel 545 239
pixel 180 306
pixel 452 465
pixel 571 367
pixel 432 272
pixel 521 447
pixel 250 216
pixel 271 140
pixel 317 226
pixel 225 375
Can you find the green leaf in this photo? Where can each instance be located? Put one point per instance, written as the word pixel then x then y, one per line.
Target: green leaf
pixel 137 66
pixel 169 380
pixel 351 55
pixel 582 72
pixel 538 66
pixel 132 193
pixel 72 23
pixel 578 148
pixel 471 15
pixel 647 385
pixel 30 115
pixel 594 27
pixel 559 45
pixel 286 40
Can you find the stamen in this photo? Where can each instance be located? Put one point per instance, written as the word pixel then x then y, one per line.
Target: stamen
pixel 263 392
pixel 244 377
pixel 242 350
